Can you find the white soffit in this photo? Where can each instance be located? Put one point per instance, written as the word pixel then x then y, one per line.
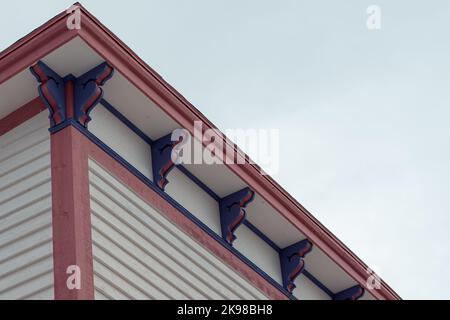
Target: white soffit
pixel 137 107
pixel 16 92
pixel 74 57
pixel 217 177
pixel 272 224
pixel 327 271
pixel 77 57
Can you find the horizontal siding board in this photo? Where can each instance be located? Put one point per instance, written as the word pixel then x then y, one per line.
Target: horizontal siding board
pixel 26 248
pixel 22 231
pixel 143 232
pixel 39 140
pixel 165 270
pixel 28 130
pixel 9 266
pixel 24 214
pixel 30 154
pixel 24 186
pixel 142 227
pixel 23 170
pixel 34 227
pixel 29 286
pixel 139 263
pixel 23 200
pixel 108 287
pixel 11 255
pixel 45 293
pixel 100 295
pixel 107 262
pixel 21 275
pixel 190 250
pixel 120 275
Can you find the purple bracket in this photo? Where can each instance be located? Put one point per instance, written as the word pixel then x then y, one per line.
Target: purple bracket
pixel 162 159
pixel 232 212
pixel 292 263
pixel 353 293
pixel 87 92
pixel 51 91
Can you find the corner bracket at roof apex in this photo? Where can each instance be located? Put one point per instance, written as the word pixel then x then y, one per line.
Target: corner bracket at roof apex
pixel 232 212
pixel 71 97
pixel 292 262
pixel 353 293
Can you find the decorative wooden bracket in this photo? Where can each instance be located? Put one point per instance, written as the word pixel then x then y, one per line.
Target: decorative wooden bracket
pixel 353 293
pixel 88 91
pixel 292 263
pixel 71 97
pixel 52 92
pixel 232 212
pixel 162 161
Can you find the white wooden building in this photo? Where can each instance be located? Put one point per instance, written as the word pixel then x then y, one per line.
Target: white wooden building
pixel 92 206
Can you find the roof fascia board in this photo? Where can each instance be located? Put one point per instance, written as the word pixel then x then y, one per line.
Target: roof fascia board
pixel 34 46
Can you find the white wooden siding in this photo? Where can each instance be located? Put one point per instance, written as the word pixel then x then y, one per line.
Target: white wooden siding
pixel 26 261
pixel 139 254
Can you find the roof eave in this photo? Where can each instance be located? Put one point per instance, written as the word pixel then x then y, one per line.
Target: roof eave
pixel 54 34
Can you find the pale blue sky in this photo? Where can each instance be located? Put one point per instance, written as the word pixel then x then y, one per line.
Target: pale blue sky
pixel 363 114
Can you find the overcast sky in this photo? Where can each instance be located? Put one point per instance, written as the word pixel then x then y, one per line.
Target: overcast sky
pixel 363 114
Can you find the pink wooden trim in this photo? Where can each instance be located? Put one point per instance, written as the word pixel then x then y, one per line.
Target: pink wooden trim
pixel 54 33
pixel 72 243
pixel 69 100
pixel 19 116
pixel 34 46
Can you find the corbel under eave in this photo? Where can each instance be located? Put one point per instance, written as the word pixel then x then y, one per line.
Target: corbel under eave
pixel 232 212
pixel 292 262
pixel 71 97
